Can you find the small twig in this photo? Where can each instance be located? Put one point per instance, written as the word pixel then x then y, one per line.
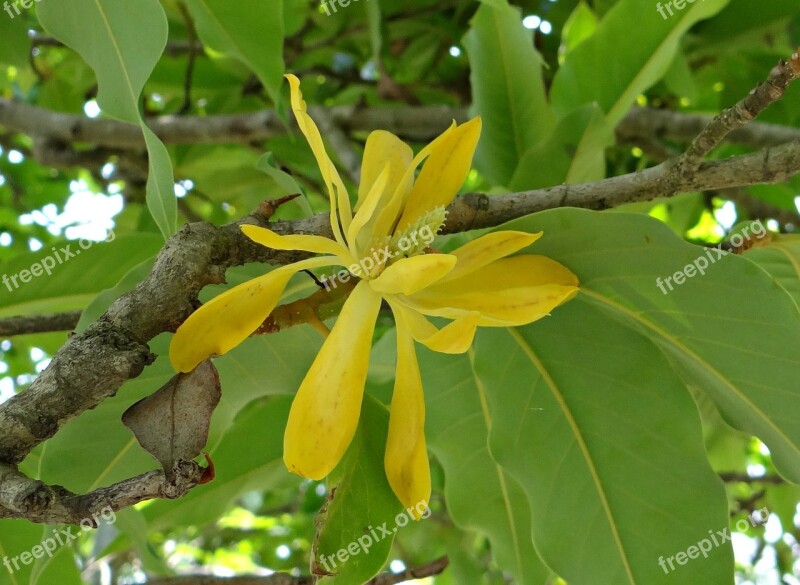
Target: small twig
pixel 740 114
pixel 737 477
pixel 187 82
pixel 10 326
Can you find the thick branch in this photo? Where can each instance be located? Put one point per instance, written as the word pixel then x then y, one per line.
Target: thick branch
pixel 22 497
pixel 66 321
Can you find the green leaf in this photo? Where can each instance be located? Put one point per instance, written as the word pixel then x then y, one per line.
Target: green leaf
pixel 607 444
pixel 508 90
pixel 250 31
pixel 18 537
pixel 14 48
pixel 780 257
pixel 77 274
pixel 457 429
pixel 580 25
pixel 621 60
pixel 573 153
pixel 731 331
pixel 362 514
pixel 122 41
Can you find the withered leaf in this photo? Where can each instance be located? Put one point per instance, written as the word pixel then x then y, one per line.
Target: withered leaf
pixel 172 423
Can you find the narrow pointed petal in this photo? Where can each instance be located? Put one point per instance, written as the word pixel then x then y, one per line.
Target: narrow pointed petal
pixel 486 249
pixel 389 215
pixel 406 459
pixel 384 148
pixel 228 319
pixel 355 237
pixel 508 292
pixel 444 171
pixel 455 337
pixel 324 413
pixel 409 275
pixel 315 244
pixel 340 202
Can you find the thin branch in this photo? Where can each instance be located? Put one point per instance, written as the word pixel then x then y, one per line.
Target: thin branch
pixel 430 569
pixel 10 326
pixel 736 477
pixel 740 114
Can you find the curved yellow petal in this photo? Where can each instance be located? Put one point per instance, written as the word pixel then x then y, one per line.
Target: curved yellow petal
pixel 340 202
pixel 324 413
pixel 444 171
pixel 315 244
pixel 386 220
pixel 406 458
pixel 455 337
pixel 355 237
pixel 228 319
pixel 488 248
pixel 384 148
pixel 507 292
pixel 409 275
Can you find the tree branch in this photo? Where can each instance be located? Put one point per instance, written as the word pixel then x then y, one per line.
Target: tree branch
pixel 740 114
pixel 22 497
pixel 10 326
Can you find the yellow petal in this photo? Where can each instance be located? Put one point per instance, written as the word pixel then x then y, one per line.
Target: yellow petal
pixel 388 216
pixel 507 292
pixel 340 202
pixel 228 319
pixel 324 414
pixel 444 172
pixel 384 148
pixel 455 337
pixel 365 213
pixel 406 459
pixel 409 275
pixel 488 248
pixel 315 244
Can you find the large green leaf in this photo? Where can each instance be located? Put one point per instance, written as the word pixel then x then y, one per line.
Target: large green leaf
pixel 631 50
pixel 14 48
pixel 781 258
pixel 508 90
pixel 731 331
pixel 122 41
pixel 457 429
pixel 573 153
pixel 18 537
pixel 249 30
pixel 601 433
pixel 362 514
pixel 77 273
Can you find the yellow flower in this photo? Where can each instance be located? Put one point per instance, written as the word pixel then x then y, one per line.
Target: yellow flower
pixel 478 284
